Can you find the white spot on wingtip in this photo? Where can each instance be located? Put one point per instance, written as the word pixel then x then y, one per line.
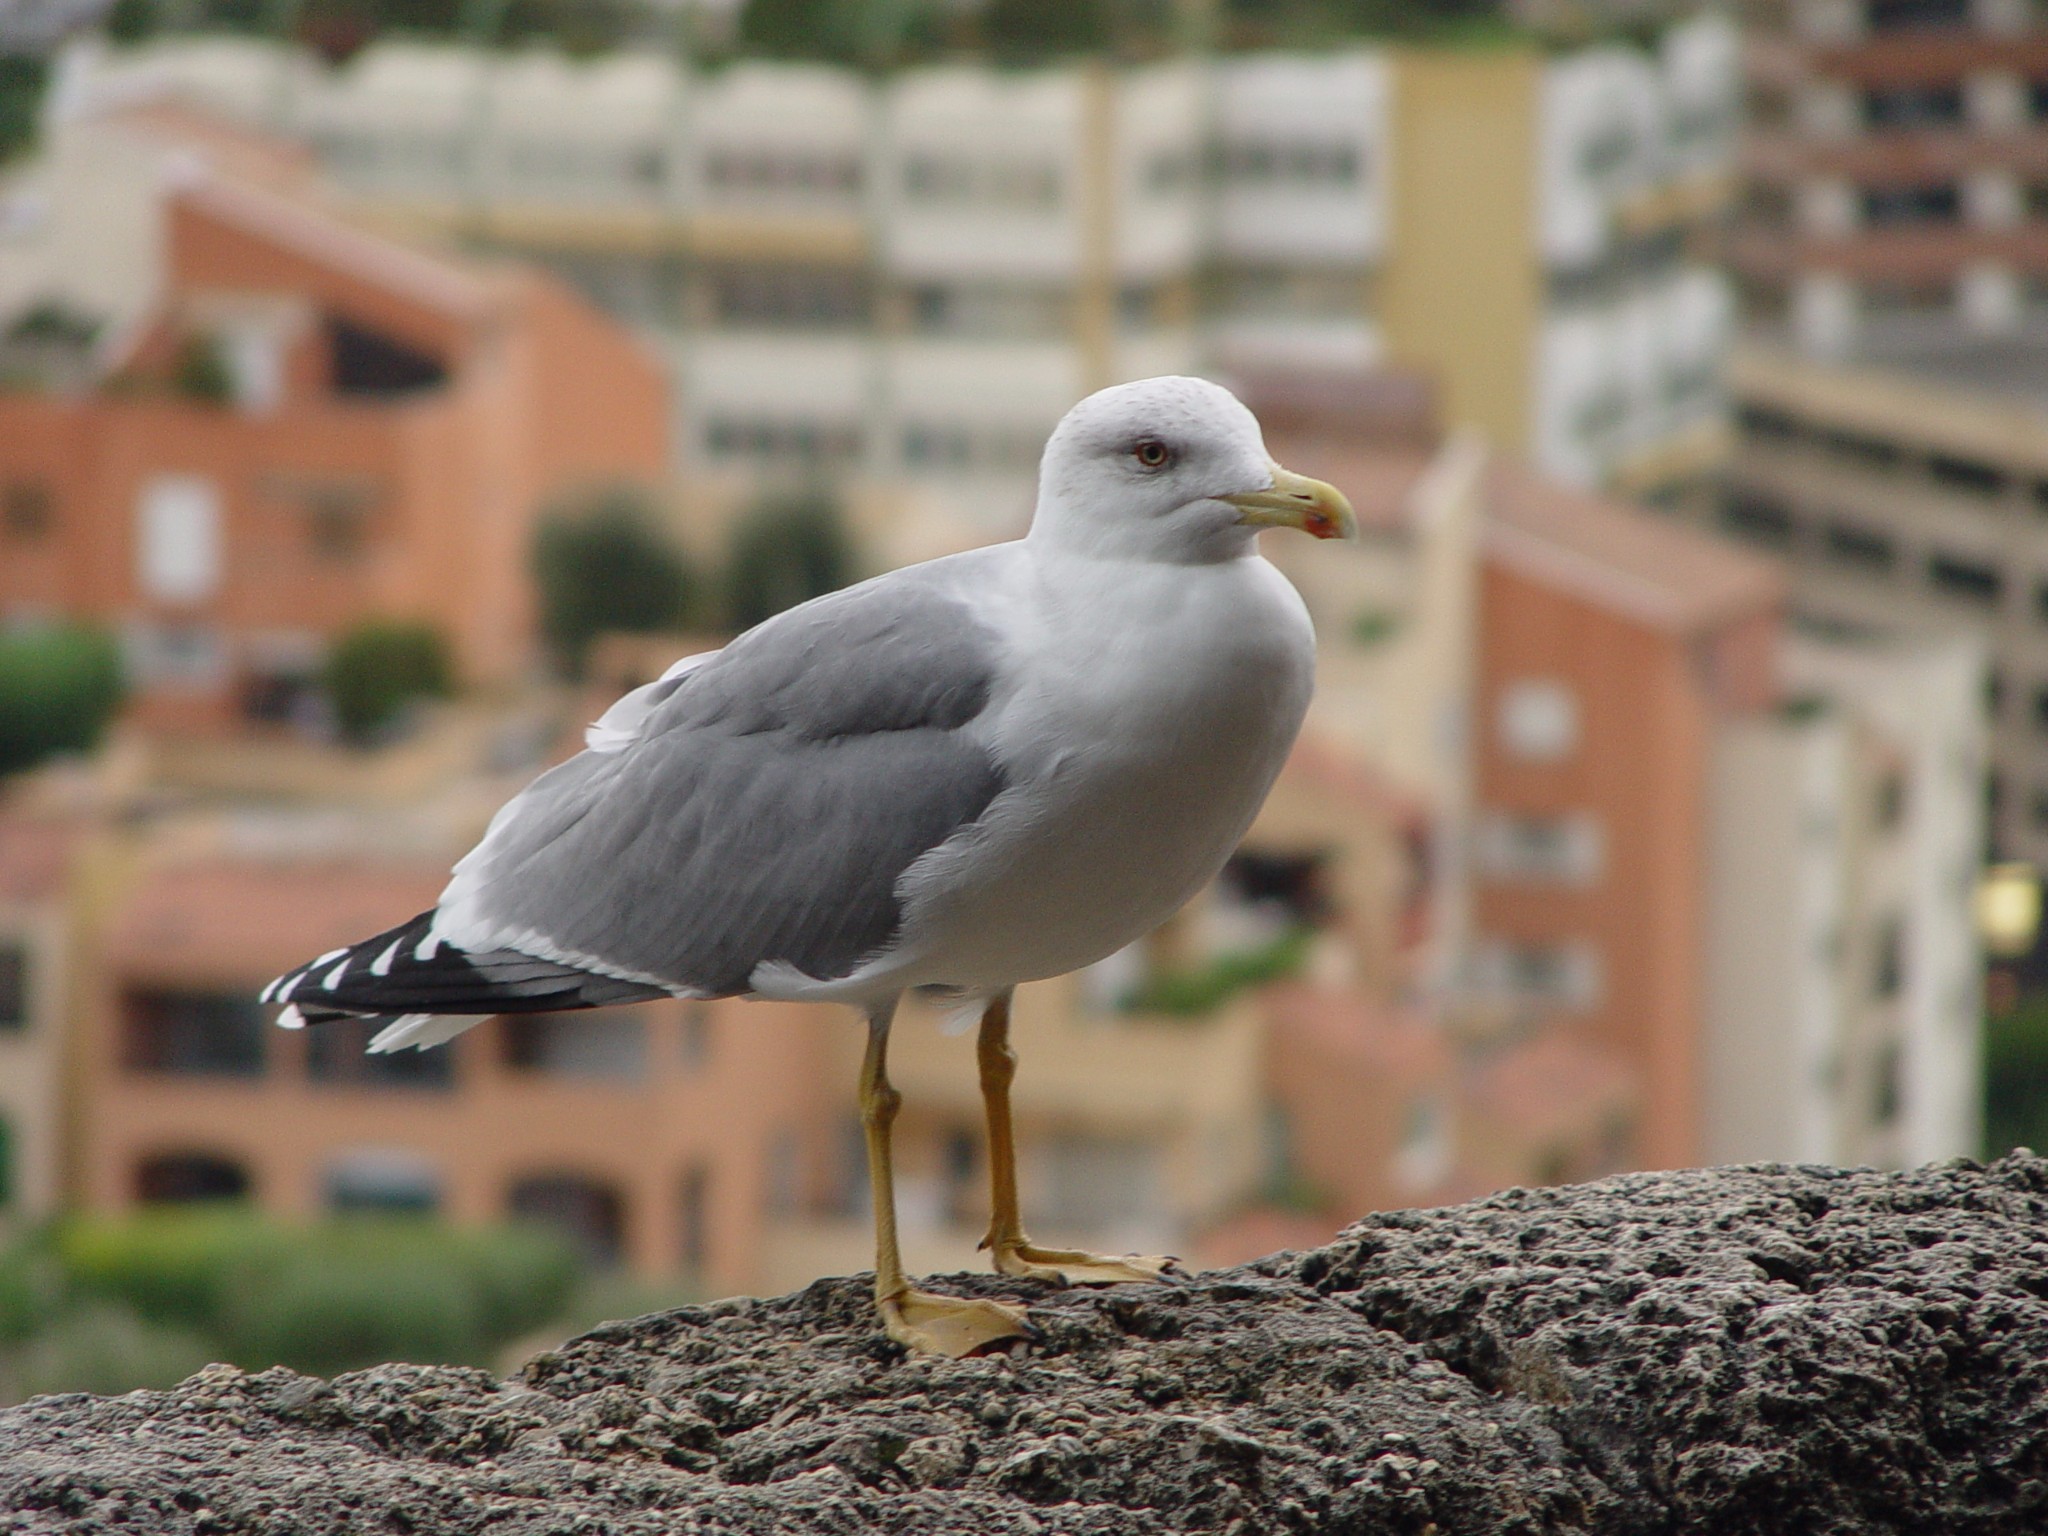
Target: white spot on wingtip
pixel 427 947
pixel 381 966
pixel 291 1018
pixel 269 988
pixel 333 978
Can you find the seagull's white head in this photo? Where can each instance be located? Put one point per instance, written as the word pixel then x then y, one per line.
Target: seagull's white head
pixel 1174 470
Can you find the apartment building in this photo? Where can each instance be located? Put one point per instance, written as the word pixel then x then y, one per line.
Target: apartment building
pixel 1845 984
pixel 1612 645
pixel 912 277
pixel 663 1138
pixel 40 853
pixel 1895 168
pixel 307 426
pixel 1906 500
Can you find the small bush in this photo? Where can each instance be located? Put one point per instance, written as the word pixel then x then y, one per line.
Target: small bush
pixel 1204 988
pixel 58 688
pixel 322 1297
pixel 170 1264
pixel 376 669
pixel 603 565
pixel 786 551
pixel 105 1347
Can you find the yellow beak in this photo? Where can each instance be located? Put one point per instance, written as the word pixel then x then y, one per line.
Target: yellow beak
pixel 1295 501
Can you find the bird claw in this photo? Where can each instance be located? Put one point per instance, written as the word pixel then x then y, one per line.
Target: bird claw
pixel 953 1326
pixel 1068 1266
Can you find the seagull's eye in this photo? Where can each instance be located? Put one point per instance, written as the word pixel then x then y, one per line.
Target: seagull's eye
pixel 1151 453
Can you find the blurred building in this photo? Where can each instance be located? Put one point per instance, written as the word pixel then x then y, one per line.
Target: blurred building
pixel 907 280
pixel 40 856
pixel 1906 497
pixel 1613 645
pixel 1895 167
pixel 306 426
pixel 1845 983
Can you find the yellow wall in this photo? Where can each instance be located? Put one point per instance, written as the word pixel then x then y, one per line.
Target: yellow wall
pixel 1462 287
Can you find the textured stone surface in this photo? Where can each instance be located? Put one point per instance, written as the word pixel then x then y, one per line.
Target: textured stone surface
pixel 1757 1350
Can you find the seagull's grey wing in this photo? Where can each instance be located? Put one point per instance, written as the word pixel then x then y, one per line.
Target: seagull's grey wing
pixel 764 808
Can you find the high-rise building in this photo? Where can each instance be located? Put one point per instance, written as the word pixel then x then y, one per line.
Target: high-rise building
pixel 1893 166
pixel 908 279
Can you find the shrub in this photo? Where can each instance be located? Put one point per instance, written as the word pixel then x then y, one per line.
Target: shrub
pixel 1206 987
pixel 58 687
pixel 378 668
pixel 104 1347
pixel 170 1264
pixel 2016 1078
pixel 786 551
pixel 322 1297
pixel 602 565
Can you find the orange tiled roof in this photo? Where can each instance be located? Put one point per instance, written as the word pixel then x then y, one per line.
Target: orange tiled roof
pixel 1621 557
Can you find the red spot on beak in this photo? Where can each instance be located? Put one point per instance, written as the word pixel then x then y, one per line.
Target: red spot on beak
pixel 1319 525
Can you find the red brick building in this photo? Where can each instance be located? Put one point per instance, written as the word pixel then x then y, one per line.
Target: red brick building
pixel 317 425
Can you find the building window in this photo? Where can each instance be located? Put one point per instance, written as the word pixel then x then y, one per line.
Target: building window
pixel 1560 850
pixel 1889 1097
pixel 14 997
pixel 1914 106
pixel 199 1034
pixel 1865 548
pixel 1888 807
pixel 1973 581
pixel 1302 164
pixel 1564 975
pixel 337 1054
pixel 769 441
pixel 1973 477
pixel 1761 421
pixel 589 1212
pixel 25 510
pixel 804 297
pixel 1758 518
pixel 1912 15
pixel 1860 447
pixel 693 1221
pixel 185 1178
pixel 1889 975
pixel 178 538
pixel 1892 207
pixel 1537 720
pixel 367 363
pixel 382 1179
pixel 591 1042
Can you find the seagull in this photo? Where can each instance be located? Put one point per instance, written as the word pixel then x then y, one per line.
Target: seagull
pixel 998 766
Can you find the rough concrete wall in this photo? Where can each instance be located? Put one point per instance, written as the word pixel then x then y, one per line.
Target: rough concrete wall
pixel 1760 1349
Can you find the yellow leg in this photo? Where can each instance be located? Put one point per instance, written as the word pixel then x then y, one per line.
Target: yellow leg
pixel 939 1325
pixel 1014 1253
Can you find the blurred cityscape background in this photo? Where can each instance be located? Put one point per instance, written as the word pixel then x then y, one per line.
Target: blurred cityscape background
pixel 386 385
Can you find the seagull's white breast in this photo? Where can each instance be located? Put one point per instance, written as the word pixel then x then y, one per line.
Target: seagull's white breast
pixel 1150 708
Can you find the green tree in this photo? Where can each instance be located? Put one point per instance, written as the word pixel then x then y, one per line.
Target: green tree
pixel 604 564
pixel 226 1282
pixel 786 551
pixel 21 96
pixel 133 21
pixel 58 688
pixel 1035 32
pixel 378 668
pixel 2016 1078
pixel 828 30
pixel 201 372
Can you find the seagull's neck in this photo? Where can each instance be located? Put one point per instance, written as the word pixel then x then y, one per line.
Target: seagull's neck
pixel 1062 533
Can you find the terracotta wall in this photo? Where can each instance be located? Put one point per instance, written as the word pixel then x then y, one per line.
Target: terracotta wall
pixel 1639 767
